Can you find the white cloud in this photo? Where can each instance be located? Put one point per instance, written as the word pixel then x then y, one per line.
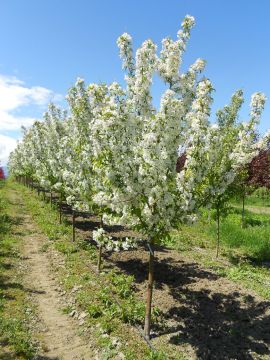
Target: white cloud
pixel 7 144
pixel 13 122
pixel 16 102
pixel 14 95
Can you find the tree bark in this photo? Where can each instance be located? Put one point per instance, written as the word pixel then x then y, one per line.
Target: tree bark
pixel 99 258
pixel 73 226
pixel 243 209
pixel 99 264
pixel 148 309
pixel 60 210
pixel 218 231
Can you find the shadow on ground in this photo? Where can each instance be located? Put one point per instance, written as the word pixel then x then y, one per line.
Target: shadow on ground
pixel 201 310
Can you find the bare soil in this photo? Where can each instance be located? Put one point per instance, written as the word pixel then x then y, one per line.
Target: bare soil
pixel 206 315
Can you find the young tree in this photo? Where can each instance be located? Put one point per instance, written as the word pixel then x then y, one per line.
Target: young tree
pixel 116 153
pixel 232 145
pixel 136 146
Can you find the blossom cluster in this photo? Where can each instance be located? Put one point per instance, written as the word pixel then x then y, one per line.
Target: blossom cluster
pixel 104 240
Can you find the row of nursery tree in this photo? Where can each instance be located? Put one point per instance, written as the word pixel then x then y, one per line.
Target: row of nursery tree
pixel 114 153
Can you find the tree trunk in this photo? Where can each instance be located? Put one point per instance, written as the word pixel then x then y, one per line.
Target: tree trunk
pixel 99 258
pixel 73 226
pixel 100 249
pixel 243 209
pixel 209 216
pixel 60 210
pixel 147 323
pixel 51 198
pixel 218 231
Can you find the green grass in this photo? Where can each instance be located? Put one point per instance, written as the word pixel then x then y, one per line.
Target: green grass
pixel 253 240
pixel 257 201
pixel 260 197
pixel 15 335
pixel 245 252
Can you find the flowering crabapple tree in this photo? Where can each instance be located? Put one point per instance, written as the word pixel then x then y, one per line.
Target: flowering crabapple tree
pixel 78 172
pixel 136 146
pixel 116 153
pixel 20 163
pixel 55 151
pixel 227 170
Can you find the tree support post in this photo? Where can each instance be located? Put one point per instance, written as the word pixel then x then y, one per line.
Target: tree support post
pixel 148 309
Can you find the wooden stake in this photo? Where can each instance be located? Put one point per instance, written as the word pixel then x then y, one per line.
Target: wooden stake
pixel 148 309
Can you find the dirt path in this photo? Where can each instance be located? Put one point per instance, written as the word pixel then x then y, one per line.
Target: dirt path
pixel 57 332
pixel 258 209
pixel 255 209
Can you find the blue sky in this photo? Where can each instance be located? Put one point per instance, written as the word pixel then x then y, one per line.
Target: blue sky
pixel 46 45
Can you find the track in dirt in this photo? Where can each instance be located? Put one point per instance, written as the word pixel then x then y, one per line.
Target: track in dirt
pixel 57 331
